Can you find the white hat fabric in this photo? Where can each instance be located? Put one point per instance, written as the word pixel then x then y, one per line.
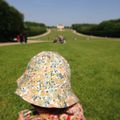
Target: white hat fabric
pixel 46 82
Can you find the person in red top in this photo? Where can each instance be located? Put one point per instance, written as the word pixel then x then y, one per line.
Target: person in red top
pixel 46 85
pixel 18 38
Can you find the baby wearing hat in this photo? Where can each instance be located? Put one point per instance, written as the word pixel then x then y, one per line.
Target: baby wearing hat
pixel 46 85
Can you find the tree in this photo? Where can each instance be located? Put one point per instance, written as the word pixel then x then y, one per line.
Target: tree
pixel 11 21
pixel 109 28
pixel 33 28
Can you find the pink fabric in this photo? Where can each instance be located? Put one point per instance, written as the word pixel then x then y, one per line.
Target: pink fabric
pixel 73 113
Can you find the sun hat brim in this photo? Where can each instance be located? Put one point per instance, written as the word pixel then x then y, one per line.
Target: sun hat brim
pixel 63 98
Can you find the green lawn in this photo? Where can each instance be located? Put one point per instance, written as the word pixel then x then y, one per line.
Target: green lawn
pixel 95 65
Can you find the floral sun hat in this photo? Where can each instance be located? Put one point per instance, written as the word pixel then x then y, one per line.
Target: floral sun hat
pixel 46 82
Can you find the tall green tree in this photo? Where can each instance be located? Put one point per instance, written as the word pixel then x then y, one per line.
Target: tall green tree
pixel 11 21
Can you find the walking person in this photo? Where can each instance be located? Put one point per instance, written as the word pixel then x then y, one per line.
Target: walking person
pixel 18 38
pixel 21 38
pixel 25 38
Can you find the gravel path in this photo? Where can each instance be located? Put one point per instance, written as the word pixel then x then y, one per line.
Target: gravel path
pixel 87 36
pixel 30 41
pixel 34 37
pixel 17 43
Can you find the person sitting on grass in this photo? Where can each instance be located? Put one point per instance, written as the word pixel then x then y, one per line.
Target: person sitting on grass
pixel 46 85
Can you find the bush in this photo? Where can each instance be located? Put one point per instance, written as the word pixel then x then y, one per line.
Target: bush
pixel 110 28
pixel 33 28
pixel 83 28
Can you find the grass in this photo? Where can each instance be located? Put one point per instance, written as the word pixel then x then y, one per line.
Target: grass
pixel 95 65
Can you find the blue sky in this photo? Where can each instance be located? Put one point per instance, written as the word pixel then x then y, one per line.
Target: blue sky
pixel 67 12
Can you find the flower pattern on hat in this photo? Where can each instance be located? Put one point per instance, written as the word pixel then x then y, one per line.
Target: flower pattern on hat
pixel 46 81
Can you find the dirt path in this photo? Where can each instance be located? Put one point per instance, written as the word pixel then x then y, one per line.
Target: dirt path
pixel 87 36
pixel 17 43
pixel 34 37
pixel 30 41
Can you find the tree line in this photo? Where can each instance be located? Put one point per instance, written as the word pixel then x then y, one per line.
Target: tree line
pixel 109 28
pixel 33 28
pixel 12 23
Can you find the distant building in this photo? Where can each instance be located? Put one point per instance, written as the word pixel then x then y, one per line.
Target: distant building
pixel 60 27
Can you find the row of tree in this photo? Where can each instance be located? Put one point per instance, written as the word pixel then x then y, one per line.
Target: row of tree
pixel 12 23
pixel 33 28
pixel 110 28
